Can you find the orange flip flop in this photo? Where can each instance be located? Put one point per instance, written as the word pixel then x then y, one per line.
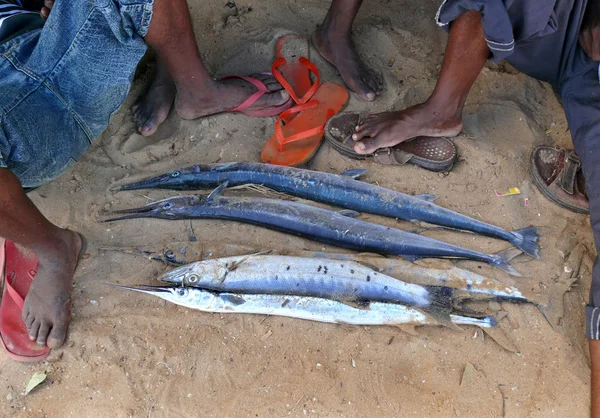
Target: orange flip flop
pixel 296 142
pixel 292 68
pixel 19 267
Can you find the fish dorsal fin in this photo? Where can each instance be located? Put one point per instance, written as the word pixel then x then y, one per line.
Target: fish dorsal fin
pixel 215 194
pixel 225 166
pixel 354 173
pixel 349 213
pixel 426 197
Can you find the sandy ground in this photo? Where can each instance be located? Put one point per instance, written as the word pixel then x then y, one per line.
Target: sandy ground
pixel 133 355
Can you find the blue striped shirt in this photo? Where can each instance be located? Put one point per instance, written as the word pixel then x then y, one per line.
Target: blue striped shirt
pixel 14 18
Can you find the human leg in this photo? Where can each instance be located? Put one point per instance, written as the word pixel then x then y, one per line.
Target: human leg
pixel 580 93
pixel 441 114
pixel 333 40
pixel 172 37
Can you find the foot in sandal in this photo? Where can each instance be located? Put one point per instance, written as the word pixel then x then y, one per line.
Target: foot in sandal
pixel 47 309
pixel 391 128
pixel 225 95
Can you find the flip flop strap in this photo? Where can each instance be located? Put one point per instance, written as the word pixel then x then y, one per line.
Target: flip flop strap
pixel 288 87
pixel 262 90
pixel 390 156
pixel 13 294
pixel 568 176
pixel 300 135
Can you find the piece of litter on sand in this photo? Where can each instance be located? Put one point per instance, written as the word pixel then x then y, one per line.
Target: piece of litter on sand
pixel 37 379
pixel 267 335
pixel 353 363
pixel 511 192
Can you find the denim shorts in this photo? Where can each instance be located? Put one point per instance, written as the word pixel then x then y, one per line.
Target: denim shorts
pixel 60 84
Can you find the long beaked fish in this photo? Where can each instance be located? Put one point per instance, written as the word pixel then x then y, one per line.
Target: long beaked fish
pixel 344 281
pixel 303 307
pixel 339 190
pixel 433 274
pixel 330 227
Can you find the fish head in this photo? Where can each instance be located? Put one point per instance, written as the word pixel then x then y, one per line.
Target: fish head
pixel 176 179
pixel 171 208
pixel 209 273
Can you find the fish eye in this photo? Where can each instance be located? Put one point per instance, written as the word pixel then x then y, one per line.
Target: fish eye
pixel 181 291
pixel 175 174
pixel 193 278
pixel 168 206
pixel 170 254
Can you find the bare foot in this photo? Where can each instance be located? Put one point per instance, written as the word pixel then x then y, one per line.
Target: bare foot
pixel 47 310
pixel 154 106
pixel 223 95
pixel 341 52
pixel 391 128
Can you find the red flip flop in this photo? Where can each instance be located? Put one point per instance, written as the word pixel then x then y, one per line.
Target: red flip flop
pixel 262 90
pixel 19 268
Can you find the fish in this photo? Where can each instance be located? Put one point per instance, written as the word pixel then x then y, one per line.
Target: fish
pixel 344 281
pixel 339 190
pixel 178 254
pixel 303 307
pixel 341 229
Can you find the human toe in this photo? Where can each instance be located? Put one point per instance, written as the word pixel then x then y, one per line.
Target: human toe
pixel 42 335
pixel 57 336
pixel 367 146
pixel 33 330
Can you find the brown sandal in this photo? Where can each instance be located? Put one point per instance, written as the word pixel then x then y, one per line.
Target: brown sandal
pixel 431 153
pixel 557 173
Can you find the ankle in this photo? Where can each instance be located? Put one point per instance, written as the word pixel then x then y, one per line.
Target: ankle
pixel 56 246
pixel 444 109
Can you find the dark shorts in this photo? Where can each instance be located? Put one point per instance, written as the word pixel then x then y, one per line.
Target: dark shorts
pixel 61 84
pixel 541 39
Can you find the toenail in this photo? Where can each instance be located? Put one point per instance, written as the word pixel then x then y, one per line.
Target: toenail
pixel 361 146
pixel 355 137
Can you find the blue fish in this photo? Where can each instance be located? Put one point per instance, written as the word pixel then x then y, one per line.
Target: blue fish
pixel 341 229
pixel 339 190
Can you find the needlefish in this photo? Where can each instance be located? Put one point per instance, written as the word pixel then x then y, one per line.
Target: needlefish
pixel 339 190
pixel 341 229
pixel 303 307
pixel 344 281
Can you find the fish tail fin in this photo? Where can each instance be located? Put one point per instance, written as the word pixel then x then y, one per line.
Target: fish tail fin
pixel 484 322
pixel 527 241
pixel 502 259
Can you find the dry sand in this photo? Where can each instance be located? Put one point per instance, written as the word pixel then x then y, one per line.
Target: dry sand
pixel 133 355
